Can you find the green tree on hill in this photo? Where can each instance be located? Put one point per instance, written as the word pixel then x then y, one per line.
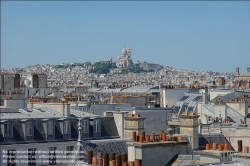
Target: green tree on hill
pixel 102 67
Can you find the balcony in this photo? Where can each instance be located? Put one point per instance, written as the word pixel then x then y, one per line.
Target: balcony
pixel 173 119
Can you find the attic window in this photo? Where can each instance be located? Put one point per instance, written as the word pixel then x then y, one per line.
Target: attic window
pixel 97 125
pixel 50 128
pixel 85 126
pixel 29 128
pixel 66 127
pixel 7 129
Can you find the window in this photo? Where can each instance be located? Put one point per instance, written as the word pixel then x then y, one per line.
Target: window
pixel 197 98
pixel 176 109
pixel 32 157
pixel 50 128
pixel 7 129
pixel 11 155
pixel 66 127
pixel 69 150
pixel 85 126
pixel 190 109
pixel 29 128
pixel 97 125
pixel 183 98
pixel 52 156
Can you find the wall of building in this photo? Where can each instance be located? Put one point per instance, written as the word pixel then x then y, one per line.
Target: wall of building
pixel 9 82
pixel 189 126
pixel 13 96
pixel 233 134
pixel 171 96
pixel 241 107
pixel 156 153
pixel 156 119
pixel 133 124
pixel 8 109
pixel 236 134
pixel 119 121
pixel 42 80
pixel 215 93
pixel 1 82
pixel 136 101
pixel 220 109
pixel 15 103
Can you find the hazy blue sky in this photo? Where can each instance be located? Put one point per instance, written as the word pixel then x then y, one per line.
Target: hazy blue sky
pixel 190 35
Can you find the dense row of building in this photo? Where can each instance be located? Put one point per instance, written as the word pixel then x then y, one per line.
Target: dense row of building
pixel 45 119
pixel 169 117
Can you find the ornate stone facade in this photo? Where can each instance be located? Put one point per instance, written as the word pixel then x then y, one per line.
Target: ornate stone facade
pixel 124 59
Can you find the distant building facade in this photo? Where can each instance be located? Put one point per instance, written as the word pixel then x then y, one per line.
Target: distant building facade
pixel 242 76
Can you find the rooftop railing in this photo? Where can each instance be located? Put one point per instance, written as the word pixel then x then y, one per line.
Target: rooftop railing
pixel 172 117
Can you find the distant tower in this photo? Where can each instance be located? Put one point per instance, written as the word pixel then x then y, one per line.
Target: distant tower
pixel 237 71
pixel 221 81
pixel 128 52
pixel 248 71
pixel 111 59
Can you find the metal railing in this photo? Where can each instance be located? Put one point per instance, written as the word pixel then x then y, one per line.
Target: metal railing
pixel 172 117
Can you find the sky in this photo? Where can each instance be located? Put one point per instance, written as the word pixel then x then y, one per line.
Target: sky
pixel 189 35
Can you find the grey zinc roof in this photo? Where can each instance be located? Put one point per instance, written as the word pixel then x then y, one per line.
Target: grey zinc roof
pixel 80 114
pixel 140 89
pixel 42 113
pixel 110 90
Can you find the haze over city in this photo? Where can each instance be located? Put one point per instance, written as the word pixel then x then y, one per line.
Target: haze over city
pixel 186 35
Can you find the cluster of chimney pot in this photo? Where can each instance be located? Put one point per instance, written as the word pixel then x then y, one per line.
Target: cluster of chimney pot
pixel 225 147
pixel 111 159
pixel 162 136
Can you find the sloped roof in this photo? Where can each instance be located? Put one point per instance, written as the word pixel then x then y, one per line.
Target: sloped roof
pixel 42 113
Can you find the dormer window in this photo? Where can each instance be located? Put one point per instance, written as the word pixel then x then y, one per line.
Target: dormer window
pixel 97 125
pixel 7 130
pixel 29 129
pixel 66 129
pixel 85 126
pixel 50 128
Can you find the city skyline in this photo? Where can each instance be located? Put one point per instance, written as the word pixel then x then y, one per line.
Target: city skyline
pixel 186 35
